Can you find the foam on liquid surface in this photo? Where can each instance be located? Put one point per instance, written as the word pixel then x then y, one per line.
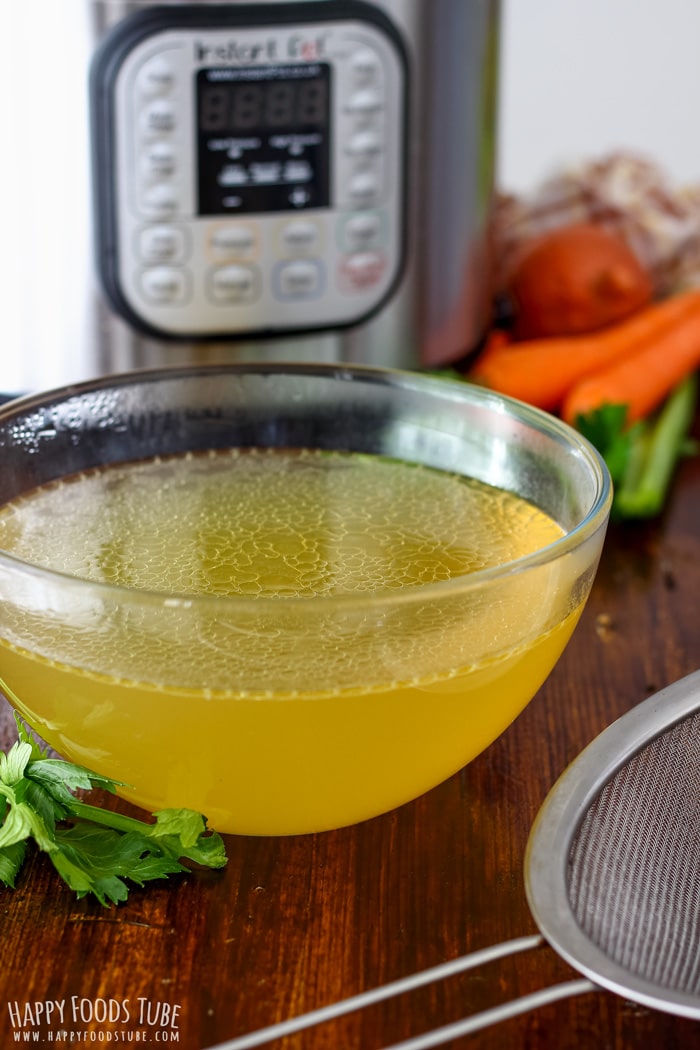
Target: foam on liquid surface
pixel 271 523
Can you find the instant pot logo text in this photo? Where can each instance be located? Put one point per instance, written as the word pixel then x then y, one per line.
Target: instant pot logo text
pixel 269 49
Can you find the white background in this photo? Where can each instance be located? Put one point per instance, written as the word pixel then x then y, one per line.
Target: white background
pixel 583 77
pixel 578 78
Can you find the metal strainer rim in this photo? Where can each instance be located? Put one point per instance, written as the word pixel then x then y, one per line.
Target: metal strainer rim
pixel 557 824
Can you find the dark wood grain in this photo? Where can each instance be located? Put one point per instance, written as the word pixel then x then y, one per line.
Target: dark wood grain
pixel 294 923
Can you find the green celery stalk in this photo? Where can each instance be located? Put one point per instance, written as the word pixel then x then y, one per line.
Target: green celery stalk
pixel 654 451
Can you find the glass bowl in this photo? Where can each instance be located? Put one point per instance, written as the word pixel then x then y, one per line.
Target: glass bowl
pixel 334 641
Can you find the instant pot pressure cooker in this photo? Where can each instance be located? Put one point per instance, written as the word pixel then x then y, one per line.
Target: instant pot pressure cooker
pixel 310 179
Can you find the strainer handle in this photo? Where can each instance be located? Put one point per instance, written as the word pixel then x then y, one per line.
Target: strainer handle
pixel 408 984
pixel 495 1015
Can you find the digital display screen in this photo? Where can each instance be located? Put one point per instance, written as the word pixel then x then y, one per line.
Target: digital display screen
pixel 263 138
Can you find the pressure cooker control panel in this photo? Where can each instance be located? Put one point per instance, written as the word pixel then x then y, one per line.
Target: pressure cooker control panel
pixel 249 166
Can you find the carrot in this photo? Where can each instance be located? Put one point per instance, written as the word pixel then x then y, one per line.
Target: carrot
pixel 645 379
pixel 543 371
pixel 495 341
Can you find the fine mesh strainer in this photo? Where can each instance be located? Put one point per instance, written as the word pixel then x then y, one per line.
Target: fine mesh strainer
pixel 612 875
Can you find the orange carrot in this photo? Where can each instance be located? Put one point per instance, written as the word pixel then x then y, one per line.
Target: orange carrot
pixel 496 340
pixel 543 371
pixel 643 380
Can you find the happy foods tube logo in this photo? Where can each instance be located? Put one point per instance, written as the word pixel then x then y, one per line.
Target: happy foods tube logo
pixel 79 1021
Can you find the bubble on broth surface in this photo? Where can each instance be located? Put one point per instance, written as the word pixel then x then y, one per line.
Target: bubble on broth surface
pixel 271 523
pixel 280 525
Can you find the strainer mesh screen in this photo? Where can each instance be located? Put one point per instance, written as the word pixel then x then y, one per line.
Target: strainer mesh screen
pixel 634 866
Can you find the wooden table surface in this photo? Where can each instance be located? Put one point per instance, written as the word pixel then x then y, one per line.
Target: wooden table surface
pixel 295 923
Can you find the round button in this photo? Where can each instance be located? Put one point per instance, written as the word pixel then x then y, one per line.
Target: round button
pixel 300 235
pixel 362 231
pixel 161 244
pixel 364 144
pixel 365 65
pixel 158 118
pixel 233 284
pixel 362 271
pixel 300 279
pixel 363 186
pixel 159 160
pixel 160 201
pixel 231 241
pixel 365 101
pixel 164 284
pixel 156 77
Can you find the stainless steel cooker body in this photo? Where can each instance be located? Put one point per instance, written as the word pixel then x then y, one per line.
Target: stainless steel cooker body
pixel 293 179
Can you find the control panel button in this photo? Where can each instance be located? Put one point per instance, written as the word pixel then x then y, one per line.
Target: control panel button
pixel 362 271
pixel 160 201
pixel 361 231
pixel 367 100
pixel 363 187
pixel 365 65
pixel 156 77
pixel 365 143
pixel 160 244
pixel 233 284
pixel 300 235
pixel 164 284
pixel 299 279
pixel 159 117
pixel 232 241
pixel 159 160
